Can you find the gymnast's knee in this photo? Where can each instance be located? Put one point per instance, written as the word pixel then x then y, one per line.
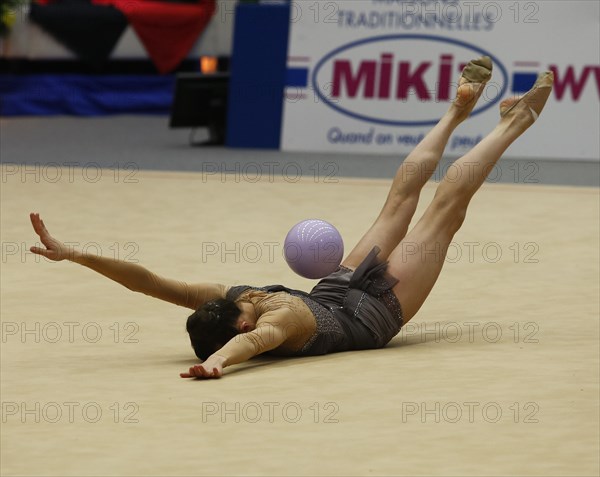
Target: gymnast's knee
pixel 401 204
pixel 450 210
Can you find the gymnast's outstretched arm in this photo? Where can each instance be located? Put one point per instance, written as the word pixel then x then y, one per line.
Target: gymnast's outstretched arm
pixel 130 275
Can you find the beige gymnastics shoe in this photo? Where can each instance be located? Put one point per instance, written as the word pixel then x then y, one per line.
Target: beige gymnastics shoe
pixel 472 82
pixel 533 101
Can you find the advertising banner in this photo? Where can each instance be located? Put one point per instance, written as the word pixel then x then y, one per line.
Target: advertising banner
pixel 373 76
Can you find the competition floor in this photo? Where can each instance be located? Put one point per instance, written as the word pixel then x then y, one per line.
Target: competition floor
pixel 496 375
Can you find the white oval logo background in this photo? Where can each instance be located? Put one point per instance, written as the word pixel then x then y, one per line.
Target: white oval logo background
pixel 415 50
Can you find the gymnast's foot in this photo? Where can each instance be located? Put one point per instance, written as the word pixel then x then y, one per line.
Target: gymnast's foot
pixel 521 112
pixel 470 86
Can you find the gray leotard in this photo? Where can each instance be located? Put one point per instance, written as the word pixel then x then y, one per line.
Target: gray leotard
pixel 353 309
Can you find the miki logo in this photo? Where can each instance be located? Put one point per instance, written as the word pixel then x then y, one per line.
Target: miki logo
pixel 375 78
pixel 391 72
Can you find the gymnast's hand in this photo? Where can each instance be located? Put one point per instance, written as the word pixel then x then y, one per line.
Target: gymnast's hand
pixel 211 368
pixel 55 249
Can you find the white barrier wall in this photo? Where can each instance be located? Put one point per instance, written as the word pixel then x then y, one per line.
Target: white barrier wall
pixel 372 76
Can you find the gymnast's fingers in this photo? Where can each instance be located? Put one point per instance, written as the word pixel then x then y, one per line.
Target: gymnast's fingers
pixel 190 374
pixel 40 229
pixel 35 221
pixel 41 251
pixel 201 372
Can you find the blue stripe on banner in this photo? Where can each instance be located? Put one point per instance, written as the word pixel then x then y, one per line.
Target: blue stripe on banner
pixel 297 77
pixel 523 82
pixel 85 95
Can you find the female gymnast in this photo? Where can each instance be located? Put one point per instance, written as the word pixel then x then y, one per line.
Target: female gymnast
pixel 376 289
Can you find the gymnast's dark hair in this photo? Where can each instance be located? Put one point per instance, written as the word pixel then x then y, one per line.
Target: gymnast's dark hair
pixel 212 325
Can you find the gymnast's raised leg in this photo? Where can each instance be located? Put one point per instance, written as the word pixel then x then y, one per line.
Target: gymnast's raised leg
pixel 391 225
pixel 417 261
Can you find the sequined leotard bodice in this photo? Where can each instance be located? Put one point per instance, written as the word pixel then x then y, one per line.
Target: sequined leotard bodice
pixel 329 335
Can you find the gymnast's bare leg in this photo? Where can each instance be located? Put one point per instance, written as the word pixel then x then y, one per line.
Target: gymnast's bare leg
pixel 417 261
pixel 391 225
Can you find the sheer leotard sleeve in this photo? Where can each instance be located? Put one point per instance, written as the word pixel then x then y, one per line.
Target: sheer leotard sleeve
pixel 139 279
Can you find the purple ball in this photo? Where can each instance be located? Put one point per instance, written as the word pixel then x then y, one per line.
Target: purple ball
pixel 313 248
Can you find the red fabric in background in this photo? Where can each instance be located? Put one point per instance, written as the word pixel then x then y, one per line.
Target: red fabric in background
pixel 168 31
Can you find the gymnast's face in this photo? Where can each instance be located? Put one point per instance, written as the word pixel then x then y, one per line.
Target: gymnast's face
pixel 247 320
